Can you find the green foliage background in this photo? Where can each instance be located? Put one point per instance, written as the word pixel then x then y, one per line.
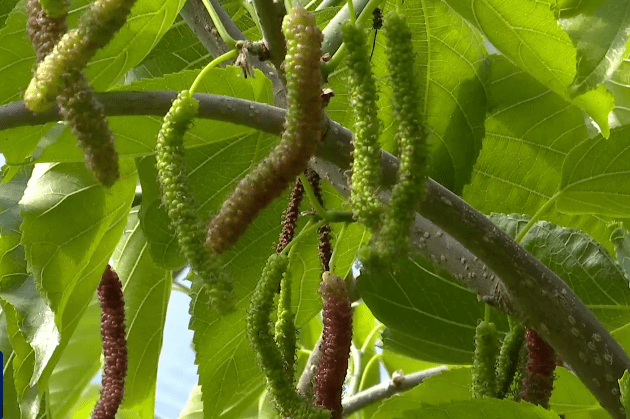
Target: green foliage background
pixel 538 133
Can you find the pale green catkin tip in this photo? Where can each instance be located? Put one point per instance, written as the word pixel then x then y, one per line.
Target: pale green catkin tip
pixel 297 16
pixel 624 386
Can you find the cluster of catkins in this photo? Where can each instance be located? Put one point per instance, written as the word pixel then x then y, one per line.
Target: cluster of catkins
pixel 59 76
pixel 500 374
pixel 114 345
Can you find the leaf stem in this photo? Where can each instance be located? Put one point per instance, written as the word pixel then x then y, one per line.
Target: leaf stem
pixel 229 41
pixel 228 55
pixel 541 211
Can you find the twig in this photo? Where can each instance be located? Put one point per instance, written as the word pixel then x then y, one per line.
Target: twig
pixel 305 384
pixel 332 31
pixel 397 384
pixel 525 282
pixel 196 17
pixel 270 14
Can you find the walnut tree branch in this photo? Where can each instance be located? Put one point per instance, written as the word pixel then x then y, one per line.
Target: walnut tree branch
pixel 523 286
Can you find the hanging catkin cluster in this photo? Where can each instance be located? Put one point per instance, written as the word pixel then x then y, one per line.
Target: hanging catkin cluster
pixel 510 358
pixel 180 205
pixel 366 166
pixel 276 356
pixel 110 296
pixel 484 377
pixel 300 139
pixel 77 104
pixel 335 346
pixel 393 237
pixel 95 29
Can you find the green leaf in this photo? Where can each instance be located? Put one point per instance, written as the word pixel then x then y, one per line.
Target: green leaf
pixel 599 30
pixel 63 227
pixel 194 405
pixel 429 315
pixel 147 289
pixel 619 86
pixel 472 409
pixel 5 8
pixel 529 133
pixel 595 177
pixel 580 261
pixel 451 73
pixel 178 50
pixel 10 404
pixel 621 239
pixel 78 356
pixel 570 395
pixel 452 385
pixel 527 33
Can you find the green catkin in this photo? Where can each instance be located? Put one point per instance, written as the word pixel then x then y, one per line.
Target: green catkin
pixel 178 199
pixel 95 29
pixel 366 168
pixel 77 103
pixel 285 328
pixel 393 239
pixel 287 401
pixel 300 139
pixel 484 377
pixel 509 358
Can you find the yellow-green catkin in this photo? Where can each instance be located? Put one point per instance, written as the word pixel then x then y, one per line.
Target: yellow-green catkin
pixel 96 27
pixel 484 377
pixel 509 358
pixel 366 166
pixel 393 240
pixel 285 328
pixel 180 205
pixel 270 358
pixel 300 139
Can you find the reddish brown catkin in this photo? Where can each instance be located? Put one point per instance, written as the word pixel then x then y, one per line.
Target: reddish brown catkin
pixel 290 216
pixel 335 346
pixel 77 104
pixel 300 139
pixel 110 296
pixel 324 247
pixel 539 375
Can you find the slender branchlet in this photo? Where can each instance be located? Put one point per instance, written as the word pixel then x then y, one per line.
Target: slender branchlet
pixel 324 247
pixel 290 215
pixel 110 296
pixel 539 375
pixel 335 346
pixel 95 29
pixel 484 376
pixel 366 166
pixel 270 357
pixel 393 239
pixel 300 139
pixel 182 210
pixel 509 358
pixel 77 103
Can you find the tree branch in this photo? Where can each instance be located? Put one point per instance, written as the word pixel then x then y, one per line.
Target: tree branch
pixel 396 384
pixel 527 289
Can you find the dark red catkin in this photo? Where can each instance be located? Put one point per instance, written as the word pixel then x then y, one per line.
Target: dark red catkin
pixel 77 103
pixel 110 296
pixel 290 216
pixel 539 375
pixel 324 247
pixel 335 346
